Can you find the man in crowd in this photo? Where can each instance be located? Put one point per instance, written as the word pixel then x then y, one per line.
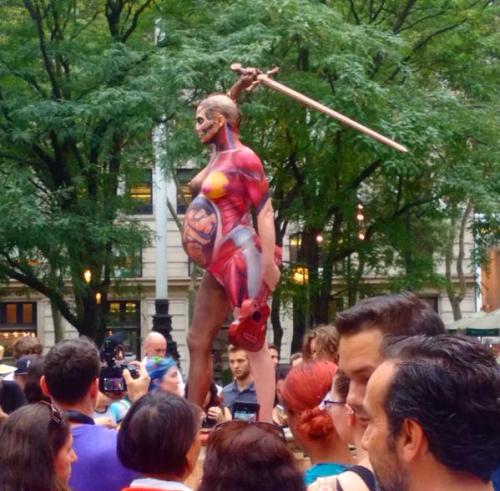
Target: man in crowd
pixel 362 328
pixel 275 354
pixel 241 389
pixel 71 380
pixel 155 344
pixel 26 345
pixel 433 411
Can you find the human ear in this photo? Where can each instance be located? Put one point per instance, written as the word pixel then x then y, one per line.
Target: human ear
pixel 44 387
pixel 411 440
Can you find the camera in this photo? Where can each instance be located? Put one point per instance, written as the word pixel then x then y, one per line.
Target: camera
pixel 111 376
pixel 208 423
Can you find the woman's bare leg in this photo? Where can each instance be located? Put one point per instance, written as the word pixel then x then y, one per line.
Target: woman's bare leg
pixel 210 312
pixel 265 381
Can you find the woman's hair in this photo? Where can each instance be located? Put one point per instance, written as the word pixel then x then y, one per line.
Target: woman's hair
pixel 32 389
pixel 327 344
pixel 157 433
pixel 245 456
pixel 30 438
pixel 224 105
pixel 304 389
pixel 157 367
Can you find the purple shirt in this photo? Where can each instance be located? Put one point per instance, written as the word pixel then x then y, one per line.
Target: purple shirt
pixel 98 467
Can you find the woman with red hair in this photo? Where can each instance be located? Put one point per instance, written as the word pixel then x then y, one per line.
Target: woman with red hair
pixel 302 395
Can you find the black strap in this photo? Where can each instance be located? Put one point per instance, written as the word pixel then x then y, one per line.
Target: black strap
pixel 78 417
pixel 364 473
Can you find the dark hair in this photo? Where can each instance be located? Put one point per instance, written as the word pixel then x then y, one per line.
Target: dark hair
pixel 157 433
pixel 327 343
pixel 70 367
pixel 273 346
pixel 450 385
pixel 32 389
pixel 247 457
pixel 27 345
pixel 282 372
pixel 215 399
pixel 30 438
pixel 401 314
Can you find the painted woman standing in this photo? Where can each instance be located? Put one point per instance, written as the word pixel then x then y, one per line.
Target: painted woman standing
pixel 240 262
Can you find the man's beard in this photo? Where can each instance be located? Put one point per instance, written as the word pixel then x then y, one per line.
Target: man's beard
pixel 398 482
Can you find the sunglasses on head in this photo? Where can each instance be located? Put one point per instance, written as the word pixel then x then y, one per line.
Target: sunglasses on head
pixel 240 424
pixel 55 415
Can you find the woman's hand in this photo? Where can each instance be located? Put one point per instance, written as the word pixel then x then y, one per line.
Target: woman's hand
pixel 271 275
pixel 216 414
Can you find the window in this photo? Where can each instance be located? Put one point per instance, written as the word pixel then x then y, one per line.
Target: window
pixel 127 266
pixel 295 245
pixel 17 319
pixel 17 314
pixel 141 192
pixel 125 316
pixel 432 300
pixel 184 196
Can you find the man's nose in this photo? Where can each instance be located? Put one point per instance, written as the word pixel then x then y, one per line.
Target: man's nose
pixel 356 394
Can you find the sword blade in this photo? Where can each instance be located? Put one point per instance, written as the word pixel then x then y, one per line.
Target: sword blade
pixel 307 101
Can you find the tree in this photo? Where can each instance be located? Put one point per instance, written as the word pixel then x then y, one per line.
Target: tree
pixel 79 95
pixel 398 68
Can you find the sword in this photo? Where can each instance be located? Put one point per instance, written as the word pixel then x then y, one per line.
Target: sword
pixel 265 79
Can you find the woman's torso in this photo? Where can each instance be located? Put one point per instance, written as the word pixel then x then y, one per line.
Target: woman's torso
pixel 223 204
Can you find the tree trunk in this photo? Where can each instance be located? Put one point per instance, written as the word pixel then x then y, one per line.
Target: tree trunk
pixel 276 321
pixel 57 319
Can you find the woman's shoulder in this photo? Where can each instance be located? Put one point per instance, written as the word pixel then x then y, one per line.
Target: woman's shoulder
pixel 356 478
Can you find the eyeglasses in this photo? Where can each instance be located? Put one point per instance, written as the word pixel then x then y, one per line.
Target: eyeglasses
pixel 239 424
pixel 55 415
pixel 328 404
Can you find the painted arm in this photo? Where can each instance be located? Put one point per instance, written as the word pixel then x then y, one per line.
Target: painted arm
pixel 265 226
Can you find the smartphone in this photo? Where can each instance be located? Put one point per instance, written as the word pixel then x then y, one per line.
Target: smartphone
pixel 111 380
pixel 245 411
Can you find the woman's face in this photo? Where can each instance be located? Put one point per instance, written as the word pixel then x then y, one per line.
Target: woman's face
pixel 340 416
pixel 170 381
pixel 63 460
pixel 207 128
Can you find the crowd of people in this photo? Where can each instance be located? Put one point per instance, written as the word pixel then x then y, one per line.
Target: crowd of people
pixel 385 399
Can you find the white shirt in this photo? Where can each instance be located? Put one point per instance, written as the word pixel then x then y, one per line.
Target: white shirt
pixel 149 482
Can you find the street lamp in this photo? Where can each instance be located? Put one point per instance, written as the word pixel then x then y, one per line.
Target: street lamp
pixel 87 276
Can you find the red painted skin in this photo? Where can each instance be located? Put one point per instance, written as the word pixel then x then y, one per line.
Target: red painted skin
pixel 219 235
pixel 219 218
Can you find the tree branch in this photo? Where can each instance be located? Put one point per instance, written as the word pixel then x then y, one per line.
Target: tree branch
pixel 135 20
pixel 354 13
pixel 402 16
pixel 421 44
pixel 365 174
pixel 36 16
pixel 19 273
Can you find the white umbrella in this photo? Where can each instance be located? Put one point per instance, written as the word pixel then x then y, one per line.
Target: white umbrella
pixel 487 325
pixel 465 322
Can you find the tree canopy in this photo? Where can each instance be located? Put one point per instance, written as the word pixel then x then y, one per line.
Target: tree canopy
pixel 83 83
